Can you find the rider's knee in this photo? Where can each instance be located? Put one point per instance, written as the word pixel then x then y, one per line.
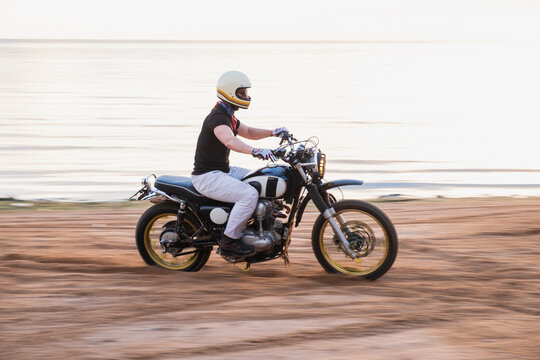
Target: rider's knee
pixel 252 195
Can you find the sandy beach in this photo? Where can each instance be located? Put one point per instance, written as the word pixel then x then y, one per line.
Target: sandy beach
pixel 465 285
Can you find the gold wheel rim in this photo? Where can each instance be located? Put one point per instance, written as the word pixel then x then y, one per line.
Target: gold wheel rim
pixel 151 243
pixel 381 244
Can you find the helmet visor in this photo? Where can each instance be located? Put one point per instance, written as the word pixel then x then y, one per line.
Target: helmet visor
pixel 242 93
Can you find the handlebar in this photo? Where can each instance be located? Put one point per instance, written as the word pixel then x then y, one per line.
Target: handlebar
pixel 281 151
pixel 286 136
pixel 289 152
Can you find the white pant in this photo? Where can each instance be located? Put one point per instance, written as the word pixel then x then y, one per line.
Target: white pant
pixel 227 187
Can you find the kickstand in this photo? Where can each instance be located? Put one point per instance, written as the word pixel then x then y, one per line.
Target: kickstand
pixel 247 266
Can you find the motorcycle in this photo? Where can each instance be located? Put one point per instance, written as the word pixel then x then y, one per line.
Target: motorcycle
pixel 352 237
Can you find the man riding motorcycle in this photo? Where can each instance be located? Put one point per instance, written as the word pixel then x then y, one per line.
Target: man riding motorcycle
pixel 212 176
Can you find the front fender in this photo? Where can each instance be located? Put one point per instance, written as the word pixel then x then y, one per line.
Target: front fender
pixel 323 188
pixel 337 183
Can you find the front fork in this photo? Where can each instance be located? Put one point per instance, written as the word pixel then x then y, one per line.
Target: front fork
pixel 339 227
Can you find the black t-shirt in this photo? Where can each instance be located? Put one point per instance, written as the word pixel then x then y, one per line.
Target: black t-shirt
pixel 211 154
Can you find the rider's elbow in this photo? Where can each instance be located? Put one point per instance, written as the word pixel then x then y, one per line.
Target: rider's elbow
pixel 230 144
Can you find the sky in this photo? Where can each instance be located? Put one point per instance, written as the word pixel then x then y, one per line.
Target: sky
pixel 390 20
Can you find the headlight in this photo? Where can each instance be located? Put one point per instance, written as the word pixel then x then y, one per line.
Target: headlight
pixel 321 163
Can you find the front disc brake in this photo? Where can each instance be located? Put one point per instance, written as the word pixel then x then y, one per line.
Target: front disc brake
pixel 361 238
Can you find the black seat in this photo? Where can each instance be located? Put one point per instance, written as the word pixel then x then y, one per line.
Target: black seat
pixel 180 186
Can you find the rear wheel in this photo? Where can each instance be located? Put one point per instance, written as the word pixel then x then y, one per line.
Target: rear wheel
pixel 371 236
pixel 157 225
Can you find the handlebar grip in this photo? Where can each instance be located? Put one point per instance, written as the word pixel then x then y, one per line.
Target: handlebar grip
pixel 286 136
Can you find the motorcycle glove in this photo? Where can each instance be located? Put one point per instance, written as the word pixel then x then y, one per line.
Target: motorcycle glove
pixel 265 154
pixel 279 131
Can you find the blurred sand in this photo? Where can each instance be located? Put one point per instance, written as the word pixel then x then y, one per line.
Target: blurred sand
pixel 465 285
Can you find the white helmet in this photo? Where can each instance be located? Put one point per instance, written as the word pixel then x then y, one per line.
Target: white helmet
pixel 227 89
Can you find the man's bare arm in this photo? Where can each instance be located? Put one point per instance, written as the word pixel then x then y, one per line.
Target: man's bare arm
pixel 226 136
pixel 253 133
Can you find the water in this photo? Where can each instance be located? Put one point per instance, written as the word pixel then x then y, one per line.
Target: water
pixel 86 120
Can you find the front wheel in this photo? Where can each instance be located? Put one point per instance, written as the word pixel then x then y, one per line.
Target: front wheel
pixel 158 224
pixel 371 236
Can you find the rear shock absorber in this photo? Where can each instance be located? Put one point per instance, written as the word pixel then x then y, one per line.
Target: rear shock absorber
pixel 180 218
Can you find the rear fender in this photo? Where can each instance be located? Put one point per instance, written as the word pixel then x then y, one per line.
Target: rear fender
pixel 323 188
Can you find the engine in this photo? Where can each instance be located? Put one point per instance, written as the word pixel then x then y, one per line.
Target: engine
pixel 264 232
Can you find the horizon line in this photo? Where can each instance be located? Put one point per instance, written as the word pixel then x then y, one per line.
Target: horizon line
pixel 268 41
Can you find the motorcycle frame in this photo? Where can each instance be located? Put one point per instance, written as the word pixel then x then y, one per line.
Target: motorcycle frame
pixel 316 192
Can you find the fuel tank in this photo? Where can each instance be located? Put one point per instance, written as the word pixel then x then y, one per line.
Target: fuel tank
pixel 273 181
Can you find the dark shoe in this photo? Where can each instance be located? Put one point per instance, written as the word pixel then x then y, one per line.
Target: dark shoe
pixel 235 247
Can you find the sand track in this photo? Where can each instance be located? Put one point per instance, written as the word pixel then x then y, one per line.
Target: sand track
pixel 465 285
